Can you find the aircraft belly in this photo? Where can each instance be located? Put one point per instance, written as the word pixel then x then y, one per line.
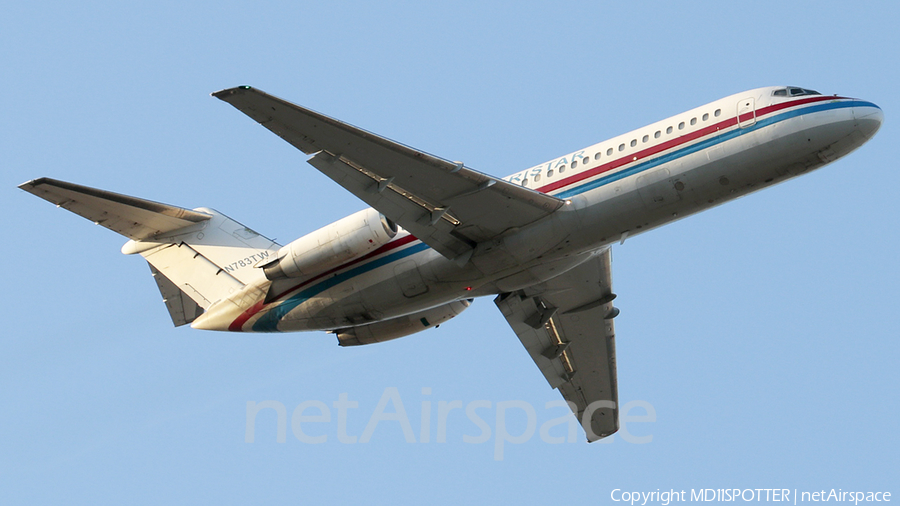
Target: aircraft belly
pixel 396 289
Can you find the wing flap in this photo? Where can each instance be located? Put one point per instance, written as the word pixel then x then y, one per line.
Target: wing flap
pixel 566 326
pixel 135 218
pixel 416 215
pixel 518 310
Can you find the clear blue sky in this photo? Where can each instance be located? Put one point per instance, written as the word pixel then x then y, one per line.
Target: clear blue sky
pixel 764 332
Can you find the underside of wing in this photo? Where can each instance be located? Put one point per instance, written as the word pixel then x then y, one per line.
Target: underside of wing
pixel 135 218
pixel 446 205
pixel 566 325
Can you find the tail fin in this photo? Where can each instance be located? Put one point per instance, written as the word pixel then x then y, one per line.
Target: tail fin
pixel 196 256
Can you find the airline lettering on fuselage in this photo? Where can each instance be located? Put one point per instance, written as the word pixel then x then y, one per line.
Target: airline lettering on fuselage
pixel 530 173
pixel 247 261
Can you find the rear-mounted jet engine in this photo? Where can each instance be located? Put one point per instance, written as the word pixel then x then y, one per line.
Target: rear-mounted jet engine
pixel 331 246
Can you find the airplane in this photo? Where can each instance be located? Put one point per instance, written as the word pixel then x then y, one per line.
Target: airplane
pixel 439 234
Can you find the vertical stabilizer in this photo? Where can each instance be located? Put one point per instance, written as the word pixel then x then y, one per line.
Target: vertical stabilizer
pixel 196 256
pixel 182 308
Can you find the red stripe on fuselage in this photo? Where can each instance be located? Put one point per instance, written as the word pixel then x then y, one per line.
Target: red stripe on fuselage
pixel 239 322
pixel 242 319
pixel 664 146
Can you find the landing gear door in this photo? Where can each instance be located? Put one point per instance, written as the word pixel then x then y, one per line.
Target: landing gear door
pixel 746 112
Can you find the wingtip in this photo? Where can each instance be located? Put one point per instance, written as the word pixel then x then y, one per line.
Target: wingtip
pixel 222 94
pixel 32 182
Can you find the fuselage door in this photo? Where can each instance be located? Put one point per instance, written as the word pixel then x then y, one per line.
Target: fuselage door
pixel 746 112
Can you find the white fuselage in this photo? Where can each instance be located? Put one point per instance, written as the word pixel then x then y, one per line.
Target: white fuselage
pixel 614 189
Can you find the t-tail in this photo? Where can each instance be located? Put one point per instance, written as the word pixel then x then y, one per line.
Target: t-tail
pixel 197 257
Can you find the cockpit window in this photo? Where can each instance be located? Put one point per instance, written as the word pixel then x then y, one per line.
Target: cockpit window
pixel 797 92
pixel 794 92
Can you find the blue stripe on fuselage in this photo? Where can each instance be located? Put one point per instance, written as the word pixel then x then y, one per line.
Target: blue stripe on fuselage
pixel 704 144
pixel 269 321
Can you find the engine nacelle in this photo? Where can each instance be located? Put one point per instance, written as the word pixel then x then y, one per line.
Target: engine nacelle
pixel 329 247
pixel 402 326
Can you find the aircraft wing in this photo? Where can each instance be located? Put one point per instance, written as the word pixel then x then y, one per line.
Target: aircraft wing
pixel 566 326
pixel 135 218
pixel 446 205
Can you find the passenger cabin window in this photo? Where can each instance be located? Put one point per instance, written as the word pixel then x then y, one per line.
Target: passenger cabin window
pixel 693 121
pixel 562 169
pixel 621 147
pixel 717 113
pixel 646 138
pixel 681 126
pixel 633 142
pixel 550 173
pixel 656 134
pixel 597 155
pixel 705 116
pixel 537 177
pixel 574 163
pixel 525 182
pixel 669 130
pixel 609 152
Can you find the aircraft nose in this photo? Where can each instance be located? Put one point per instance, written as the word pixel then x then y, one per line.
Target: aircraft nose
pixel 869 117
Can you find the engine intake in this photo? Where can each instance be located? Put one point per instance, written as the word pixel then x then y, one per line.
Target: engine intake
pixel 329 247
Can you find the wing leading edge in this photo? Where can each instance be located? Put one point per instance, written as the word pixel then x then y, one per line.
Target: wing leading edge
pixel 566 326
pixel 135 218
pixel 446 205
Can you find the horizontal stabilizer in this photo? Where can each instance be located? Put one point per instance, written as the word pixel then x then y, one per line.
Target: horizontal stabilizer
pixel 135 218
